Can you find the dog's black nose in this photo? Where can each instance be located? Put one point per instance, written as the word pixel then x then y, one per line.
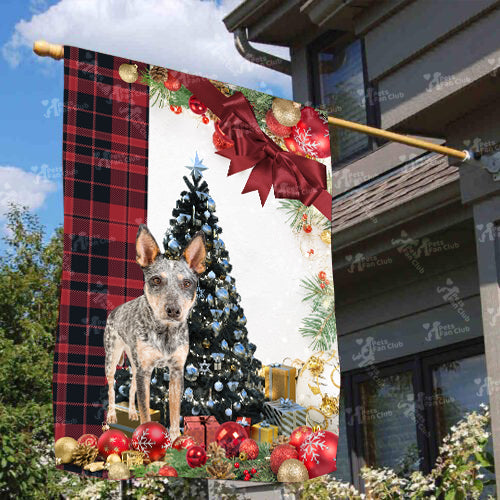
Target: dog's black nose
pixel 173 312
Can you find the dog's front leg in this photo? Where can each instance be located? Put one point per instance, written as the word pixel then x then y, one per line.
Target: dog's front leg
pixel 176 389
pixel 143 380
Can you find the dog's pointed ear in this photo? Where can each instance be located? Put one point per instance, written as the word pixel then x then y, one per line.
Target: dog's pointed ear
pixel 146 247
pixel 196 253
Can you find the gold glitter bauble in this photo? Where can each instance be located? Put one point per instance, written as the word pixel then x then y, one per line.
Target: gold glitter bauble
pixel 64 449
pixel 286 112
pixel 326 237
pixel 206 343
pixel 113 459
pixel 128 72
pixel 292 471
pixel 118 471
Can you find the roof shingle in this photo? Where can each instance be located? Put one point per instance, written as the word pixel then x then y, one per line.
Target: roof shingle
pixel 401 185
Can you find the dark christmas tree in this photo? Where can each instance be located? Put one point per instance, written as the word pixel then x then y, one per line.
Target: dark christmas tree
pixel 221 373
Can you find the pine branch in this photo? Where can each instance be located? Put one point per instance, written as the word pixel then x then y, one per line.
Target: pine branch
pixel 295 210
pixel 161 96
pixel 320 324
pixel 320 327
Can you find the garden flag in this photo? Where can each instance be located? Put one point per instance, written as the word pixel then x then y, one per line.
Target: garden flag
pixel 197 329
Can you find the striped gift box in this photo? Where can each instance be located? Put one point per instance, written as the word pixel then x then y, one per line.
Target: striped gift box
pixel 286 414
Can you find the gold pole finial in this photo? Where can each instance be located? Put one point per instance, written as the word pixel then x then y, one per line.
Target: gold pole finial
pixel 43 48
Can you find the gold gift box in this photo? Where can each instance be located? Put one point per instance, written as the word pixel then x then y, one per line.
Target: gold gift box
pixel 280 381
pixel 266 434
pixel 123 422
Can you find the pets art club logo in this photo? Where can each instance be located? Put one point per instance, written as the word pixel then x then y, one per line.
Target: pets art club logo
pixel 487 232
pixel 346 179
pixel 416 248
pixel 486 386
pixel 494 315
pixel 369 348
pixel 361 414
pixel 450 293
pixel 438 81
pixel 373 96
pixel 437 330
pixel 360 262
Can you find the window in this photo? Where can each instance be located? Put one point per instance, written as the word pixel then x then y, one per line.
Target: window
pixel 339 85
pixel 396 414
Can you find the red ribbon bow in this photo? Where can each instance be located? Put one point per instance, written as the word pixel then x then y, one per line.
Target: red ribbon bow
pixel 291 176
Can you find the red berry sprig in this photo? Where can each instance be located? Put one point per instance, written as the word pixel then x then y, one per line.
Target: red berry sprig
pixel 307 228
pixel 247 474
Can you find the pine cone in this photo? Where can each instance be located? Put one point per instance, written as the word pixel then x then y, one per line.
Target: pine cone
pixel 84 455
pixel 222 87
pixel 212 115
pixel 219 469
pixel 216 452
pixel 158 74
pixel 278 441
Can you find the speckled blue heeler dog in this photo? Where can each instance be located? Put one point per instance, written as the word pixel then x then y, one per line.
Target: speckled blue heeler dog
pixel 152 329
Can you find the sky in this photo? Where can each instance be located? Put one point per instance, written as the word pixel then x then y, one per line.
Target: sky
pixel 187 35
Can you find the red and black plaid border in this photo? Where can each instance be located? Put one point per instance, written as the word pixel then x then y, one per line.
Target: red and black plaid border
pixel 105 163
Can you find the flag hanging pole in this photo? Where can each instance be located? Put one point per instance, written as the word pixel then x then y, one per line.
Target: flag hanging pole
pixel 392 136
pixel 45 49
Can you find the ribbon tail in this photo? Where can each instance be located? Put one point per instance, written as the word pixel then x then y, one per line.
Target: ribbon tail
pixel 261 180
pixel 323 203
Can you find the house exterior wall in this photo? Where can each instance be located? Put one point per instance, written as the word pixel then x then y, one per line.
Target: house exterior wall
pixel 435 69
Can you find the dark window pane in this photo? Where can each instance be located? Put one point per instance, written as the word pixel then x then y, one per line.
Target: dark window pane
pixel 459 388
pixel 343 472
pixel 388 418
pixel 342 90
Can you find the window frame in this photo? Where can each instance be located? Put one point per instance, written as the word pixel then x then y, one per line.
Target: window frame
pixel 420 364
pixel 338 39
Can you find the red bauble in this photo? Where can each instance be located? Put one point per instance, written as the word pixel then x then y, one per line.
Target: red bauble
pixel 281 453
pixel 298 435
pixel 230 436
pixel 205 119
pixel 275 126
pixel 176 109
pixel 311 134
pixel 307 228
pixel 322 275
pixel 112 441
pixel 168 471
pixel 171 83
pixel 319 453
pixel 89 440
pixel 220 140
pixel 250 447
pixel 292 146
pixel 183 442
pixel 152 439
pixel 196 456
pixel 196 106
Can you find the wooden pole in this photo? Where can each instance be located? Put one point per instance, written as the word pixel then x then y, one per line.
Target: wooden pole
pixel 392 136
pixel 45 49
